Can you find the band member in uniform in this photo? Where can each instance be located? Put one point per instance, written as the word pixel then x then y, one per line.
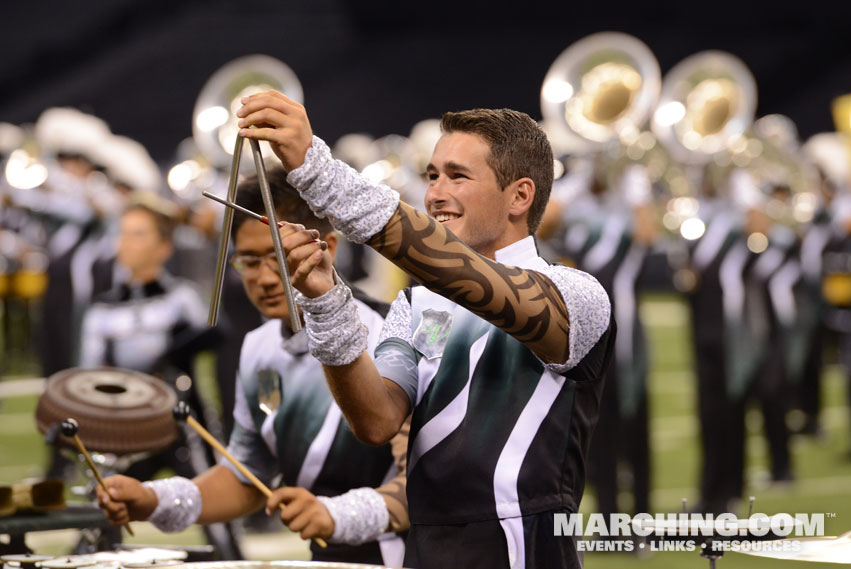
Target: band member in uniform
pixel 825 236
pixel 499 354
pixel 727 342
pixel 138 323
pixel 286 422
pixel 609 228
pixel 154 322
pixel 773 295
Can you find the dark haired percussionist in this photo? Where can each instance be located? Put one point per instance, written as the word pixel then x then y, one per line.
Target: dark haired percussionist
pixel 286 421
pixel 499 354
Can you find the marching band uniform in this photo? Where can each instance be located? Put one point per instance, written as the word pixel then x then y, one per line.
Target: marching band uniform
pixel 816 238
pixel 718 259
pixel 730 343
pixel 837 267
pixel 774 276
pixel 69 217
pixel 498 439
pixel 822 240
pixel 136 326
pixel 599 236
pixel 286 422
pixel 287 425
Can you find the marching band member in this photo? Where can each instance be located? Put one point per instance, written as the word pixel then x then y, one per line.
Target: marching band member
pixel 76 141
pixel 153 322
pixel 137 323
pixel 773 295
pixel 499 354
pixel 608 233
pixel 828 153
pixel 728 346
pixel 286 423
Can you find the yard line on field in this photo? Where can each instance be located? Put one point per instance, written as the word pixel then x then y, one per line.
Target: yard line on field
pixel 678 382
pixel 17 472
pixel 21 387
pixel 679 425
pixel 664 314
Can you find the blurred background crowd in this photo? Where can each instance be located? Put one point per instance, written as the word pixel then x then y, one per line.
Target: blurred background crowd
pixel 719 178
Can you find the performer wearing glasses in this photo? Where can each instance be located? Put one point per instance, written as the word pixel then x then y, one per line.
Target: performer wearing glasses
pixel 499 354
pixel 286 421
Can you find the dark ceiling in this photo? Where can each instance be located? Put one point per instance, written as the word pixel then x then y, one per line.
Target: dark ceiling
pixel 380 66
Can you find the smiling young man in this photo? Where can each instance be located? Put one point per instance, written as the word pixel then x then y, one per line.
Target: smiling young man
pixel 499 354
pixel 285 420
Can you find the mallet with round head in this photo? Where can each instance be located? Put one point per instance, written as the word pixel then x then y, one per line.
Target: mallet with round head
pixel 182 413
pixel 69 428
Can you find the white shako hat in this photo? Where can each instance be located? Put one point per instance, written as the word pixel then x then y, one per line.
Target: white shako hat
pixel 128 162
pixel 11 138
pixel 64 130
pixel 831 152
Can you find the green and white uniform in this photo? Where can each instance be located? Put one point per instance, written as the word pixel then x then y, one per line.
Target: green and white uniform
pixel 286 423
pixel 496 434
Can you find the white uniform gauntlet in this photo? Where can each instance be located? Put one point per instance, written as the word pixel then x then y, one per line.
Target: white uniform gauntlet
pixel 359 515
pixel 179 504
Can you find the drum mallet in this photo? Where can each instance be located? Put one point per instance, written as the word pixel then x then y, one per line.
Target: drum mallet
pixel 239 208
pixel 69 429
pixel 182 413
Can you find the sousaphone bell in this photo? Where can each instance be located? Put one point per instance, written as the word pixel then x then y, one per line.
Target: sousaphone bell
pixel 216 132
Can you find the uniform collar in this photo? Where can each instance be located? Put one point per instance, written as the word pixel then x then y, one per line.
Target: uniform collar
pixel 135 291
pixel 523 254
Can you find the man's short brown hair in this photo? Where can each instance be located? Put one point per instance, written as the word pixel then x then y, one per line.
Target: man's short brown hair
pixel 518 149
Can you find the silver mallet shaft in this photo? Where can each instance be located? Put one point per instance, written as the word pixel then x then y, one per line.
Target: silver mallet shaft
pixel 239 208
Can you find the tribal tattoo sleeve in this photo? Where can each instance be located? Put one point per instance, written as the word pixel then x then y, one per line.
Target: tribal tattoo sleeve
pixel 394 492
pixel 525 304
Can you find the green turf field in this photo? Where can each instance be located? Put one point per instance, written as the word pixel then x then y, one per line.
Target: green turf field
pixel 822 467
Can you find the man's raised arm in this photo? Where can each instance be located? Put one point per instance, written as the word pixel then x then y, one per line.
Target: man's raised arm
pixel 529 305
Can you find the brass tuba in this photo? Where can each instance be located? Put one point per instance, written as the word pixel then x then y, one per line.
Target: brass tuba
pixel 707 100
pixel 216 133
pixel 214 122
pixel 601 88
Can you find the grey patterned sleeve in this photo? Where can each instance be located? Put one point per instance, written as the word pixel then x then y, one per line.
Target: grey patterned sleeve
pixel 333 189
pixel 335 333
pixel 395 357
pixel 360 515
pixel 589 309
pixel 178 503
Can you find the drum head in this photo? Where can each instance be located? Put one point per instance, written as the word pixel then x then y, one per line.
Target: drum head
pixel 24 560
pixel 118 411
pixel 70 562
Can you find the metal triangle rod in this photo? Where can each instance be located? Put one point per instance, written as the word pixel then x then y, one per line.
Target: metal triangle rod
pixel 224 239
pixel 272 216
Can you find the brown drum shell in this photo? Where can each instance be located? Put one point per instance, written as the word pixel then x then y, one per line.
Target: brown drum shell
pixel 118 411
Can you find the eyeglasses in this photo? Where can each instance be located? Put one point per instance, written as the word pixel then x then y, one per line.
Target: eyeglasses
pixel 249 265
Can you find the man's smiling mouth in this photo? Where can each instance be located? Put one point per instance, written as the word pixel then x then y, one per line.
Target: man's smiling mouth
pixel 442 217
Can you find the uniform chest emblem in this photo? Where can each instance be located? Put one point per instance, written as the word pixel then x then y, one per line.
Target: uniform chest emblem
pixel 268 390
pixel 431 335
